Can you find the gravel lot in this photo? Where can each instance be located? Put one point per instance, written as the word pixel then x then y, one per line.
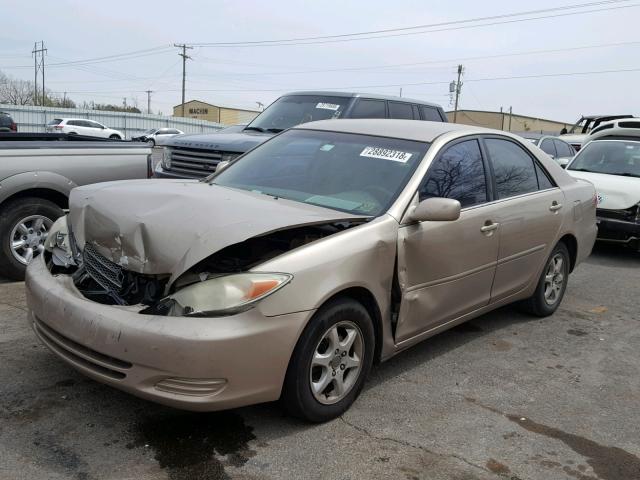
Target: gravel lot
pixel 503 396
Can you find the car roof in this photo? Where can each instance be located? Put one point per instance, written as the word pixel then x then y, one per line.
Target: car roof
pixel 363 95
pixel 616 133
pixel 419 130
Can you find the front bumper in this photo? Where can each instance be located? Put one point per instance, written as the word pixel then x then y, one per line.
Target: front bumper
pixel 191 363
pixel 618 231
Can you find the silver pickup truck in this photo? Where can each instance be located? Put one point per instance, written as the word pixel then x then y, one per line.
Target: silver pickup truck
pixel 37 172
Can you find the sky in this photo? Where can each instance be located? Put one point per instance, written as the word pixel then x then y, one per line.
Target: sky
pixel 559 51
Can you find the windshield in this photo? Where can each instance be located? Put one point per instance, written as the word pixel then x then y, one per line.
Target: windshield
pixel 614 157
pixel 359 174
pixel 293 110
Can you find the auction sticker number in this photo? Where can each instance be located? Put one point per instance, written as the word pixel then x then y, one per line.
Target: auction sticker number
pixel 386 154
pixel 328 106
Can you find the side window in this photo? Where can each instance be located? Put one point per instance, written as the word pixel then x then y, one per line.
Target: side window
pixel 87 123
pixel 72 123
pixel 458 172
pixel 547 147
pixel 544 181
pixel 430 113
pixel 367 108
pixel 513 168
pixel 564 149
pixel 400 110
pixel 416 112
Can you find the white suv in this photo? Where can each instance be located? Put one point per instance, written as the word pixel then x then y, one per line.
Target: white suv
pixel 80 126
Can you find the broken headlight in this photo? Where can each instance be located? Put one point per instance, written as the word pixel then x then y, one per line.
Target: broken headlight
pixel 58 243
pixel 224 295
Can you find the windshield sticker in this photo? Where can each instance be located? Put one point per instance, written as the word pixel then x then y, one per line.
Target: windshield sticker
pixel 386 154
pixel 328 106
pixel 326 147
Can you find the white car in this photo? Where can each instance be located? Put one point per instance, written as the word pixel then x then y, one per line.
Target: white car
pixel 82 126
pixel 622 126
pixel 156 136
pixel 611 162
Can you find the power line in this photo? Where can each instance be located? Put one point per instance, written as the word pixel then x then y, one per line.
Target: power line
pixel 392 32
pixel 396 85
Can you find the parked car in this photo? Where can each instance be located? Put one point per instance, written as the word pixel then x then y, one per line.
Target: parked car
pixel 82 126
pixel 621 126
pixel 153 135
pixel 331 246
pixel 7 124
pixel 561 151
pixel 611 162
pixel 37 172
pixel 196 156
pixel 578 132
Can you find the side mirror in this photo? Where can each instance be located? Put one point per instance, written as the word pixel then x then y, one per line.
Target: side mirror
pixel 436 210
pixel 222 165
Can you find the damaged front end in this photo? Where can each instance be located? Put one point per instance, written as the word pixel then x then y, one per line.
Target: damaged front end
pixel 218 285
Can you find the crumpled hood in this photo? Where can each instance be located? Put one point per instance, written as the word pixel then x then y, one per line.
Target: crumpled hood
pixel 227 142
pixel 615 192
pixel 167 226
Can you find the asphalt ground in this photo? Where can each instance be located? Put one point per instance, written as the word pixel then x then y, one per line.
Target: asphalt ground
pixel 504 396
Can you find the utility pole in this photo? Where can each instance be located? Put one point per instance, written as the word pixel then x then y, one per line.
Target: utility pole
pixel 510 113
pixel 149 92
pixel 184 56
pixel 401 91
pixel 38 65
pixel 457 89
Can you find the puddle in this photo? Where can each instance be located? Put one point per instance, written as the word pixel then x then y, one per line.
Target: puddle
pixel 195 446
pixel 608 463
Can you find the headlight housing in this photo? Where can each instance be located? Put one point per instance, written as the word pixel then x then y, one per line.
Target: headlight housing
pixel 166 158
pixel 224 295
pixel 59 243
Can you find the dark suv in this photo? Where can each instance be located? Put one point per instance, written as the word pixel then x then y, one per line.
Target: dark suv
pixel 196 156
pixel 7 124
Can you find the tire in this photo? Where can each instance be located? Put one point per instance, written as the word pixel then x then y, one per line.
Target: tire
pixel 151 142
pixel 13 214
pixel 115 137
pixel 344 316
pixel 542 303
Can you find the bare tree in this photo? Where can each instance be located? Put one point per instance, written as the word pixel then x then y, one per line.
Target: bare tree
pixel 14 91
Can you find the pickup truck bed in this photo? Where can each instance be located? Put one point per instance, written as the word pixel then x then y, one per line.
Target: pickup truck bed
pixel 37 173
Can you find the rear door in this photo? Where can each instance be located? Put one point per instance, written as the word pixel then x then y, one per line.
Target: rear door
pixel 528 214
pixel 400 110
pixel 445 269
pixel 430 113
pixel 368 108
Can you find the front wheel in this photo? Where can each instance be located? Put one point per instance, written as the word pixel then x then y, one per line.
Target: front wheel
pixel 24 225
pixel 552 284
pixel 115 137
pixel 151 142
pixel 330 362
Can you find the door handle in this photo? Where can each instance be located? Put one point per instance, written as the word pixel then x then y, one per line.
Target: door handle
pixel 555 206
pixel 489 227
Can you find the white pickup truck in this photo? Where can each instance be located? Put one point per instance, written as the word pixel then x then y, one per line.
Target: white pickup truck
pixel 37 172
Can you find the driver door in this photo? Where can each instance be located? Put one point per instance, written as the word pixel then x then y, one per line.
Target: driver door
pixel 446 269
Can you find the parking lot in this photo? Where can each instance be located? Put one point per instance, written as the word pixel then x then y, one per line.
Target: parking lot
pixel 503 396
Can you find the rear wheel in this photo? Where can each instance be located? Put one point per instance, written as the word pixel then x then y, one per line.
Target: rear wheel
pixel 115 137
pixel 24 225
pixel 552 284
pixel 330 362
pixel 151 142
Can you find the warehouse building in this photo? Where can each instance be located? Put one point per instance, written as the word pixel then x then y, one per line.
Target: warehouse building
pixel 510 122
pixel 214 113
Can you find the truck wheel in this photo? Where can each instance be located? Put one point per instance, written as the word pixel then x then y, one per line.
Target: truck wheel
pixel 330 362
pixel 551 286
pixel 24 224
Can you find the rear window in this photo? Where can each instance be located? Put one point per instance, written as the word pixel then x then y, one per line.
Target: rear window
pixel 430 114
pixel 366 108
pixel 55 121
pixel 629 124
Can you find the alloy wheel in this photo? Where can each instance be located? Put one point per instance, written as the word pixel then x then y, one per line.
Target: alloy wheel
pixel 554 279
pixel 28 236
pixel 336 362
